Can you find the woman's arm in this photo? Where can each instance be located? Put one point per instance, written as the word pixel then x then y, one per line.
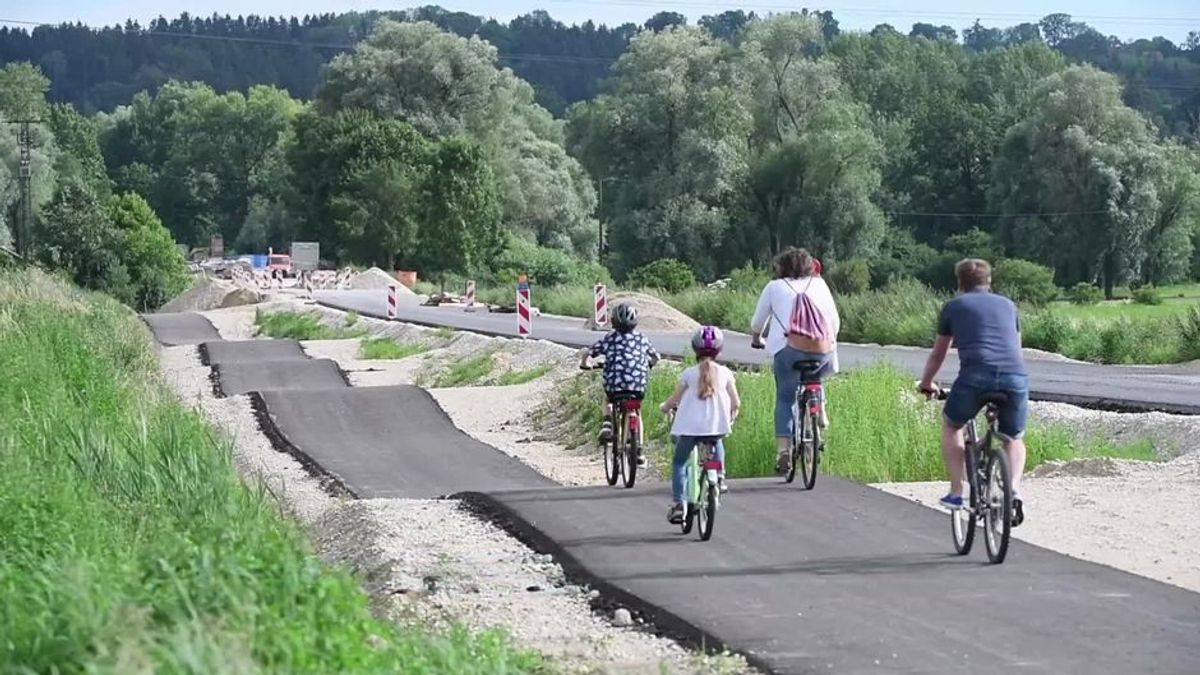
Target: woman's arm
pixel 762 312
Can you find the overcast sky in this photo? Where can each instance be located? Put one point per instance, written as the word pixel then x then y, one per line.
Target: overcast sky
pixel 1169 18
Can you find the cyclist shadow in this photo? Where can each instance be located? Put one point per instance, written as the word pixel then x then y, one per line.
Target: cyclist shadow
pixel 902 564
pixel 619 540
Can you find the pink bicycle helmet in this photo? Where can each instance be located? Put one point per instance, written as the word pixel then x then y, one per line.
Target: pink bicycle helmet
pixel 708 341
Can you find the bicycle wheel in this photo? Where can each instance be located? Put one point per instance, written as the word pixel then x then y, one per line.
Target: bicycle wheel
pixel 689 497
pixel 962 521
pixel 612 471
pixel 798 432
pixel 997 507
pixel 706 511
pixel 631 454
pixel 810 456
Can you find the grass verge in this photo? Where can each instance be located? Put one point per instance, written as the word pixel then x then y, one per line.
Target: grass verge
pixel 881 430
pixel 383 348
pixel 522 376
pixel 301 326
pixel 130 544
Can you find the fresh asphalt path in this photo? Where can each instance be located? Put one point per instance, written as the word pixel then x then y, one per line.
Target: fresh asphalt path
pixel 1133 388
pixel 381 442
pixel 844 579
pixel 848 579
pixel 183 328
pixel 233 379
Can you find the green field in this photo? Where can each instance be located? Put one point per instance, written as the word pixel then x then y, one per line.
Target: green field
pixel 128 542
pixel 1176 300
pixel 881 430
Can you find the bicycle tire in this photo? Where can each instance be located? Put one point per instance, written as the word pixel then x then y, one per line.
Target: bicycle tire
pixel 707 511
pixel 962 521
pixel 631 466
pixel 689 499
pixel 608 456
pixel 797 447
pixel 811 455
pixel 997 514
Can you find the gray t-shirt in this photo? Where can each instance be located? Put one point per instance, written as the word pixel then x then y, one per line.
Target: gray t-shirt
pixel 986 331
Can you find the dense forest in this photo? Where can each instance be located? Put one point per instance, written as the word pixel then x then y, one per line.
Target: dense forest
pixel 455 145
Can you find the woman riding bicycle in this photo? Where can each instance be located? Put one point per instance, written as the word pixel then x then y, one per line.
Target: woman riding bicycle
pixel 806 324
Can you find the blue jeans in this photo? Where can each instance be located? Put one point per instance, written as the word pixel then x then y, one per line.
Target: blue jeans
pixel 787 381
pixel 965 400
pixel 683 450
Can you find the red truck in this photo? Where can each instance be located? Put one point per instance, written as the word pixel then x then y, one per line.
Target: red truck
pixel 279 264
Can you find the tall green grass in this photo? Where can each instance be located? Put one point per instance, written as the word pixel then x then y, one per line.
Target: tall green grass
pixel 881 429
pixel 127 541
pixel 302 326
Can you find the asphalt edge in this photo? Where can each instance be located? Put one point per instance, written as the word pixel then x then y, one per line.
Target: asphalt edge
pixel 330 482
pixel 668 624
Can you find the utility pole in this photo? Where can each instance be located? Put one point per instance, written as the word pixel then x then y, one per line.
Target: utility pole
pixel 23 227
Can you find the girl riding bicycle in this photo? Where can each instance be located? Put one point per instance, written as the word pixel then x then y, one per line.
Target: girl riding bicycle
pixel 706 402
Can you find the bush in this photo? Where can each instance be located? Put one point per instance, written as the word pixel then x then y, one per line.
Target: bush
pixel 668 274
pixel 1147 295
pixel 546 266
pixel 1047 331
pixel 749 279
pixel 1084 293
pixel 1189 334
pixel 851 277
pixel 904 313
pixel 1024 281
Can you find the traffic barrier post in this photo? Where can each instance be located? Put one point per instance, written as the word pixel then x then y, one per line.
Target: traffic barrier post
pixel 308 284
pixel 601 307
pixel 391 302
pixel 524 313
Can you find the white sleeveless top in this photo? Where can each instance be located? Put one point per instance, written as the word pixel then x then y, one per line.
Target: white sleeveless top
pixel 703 417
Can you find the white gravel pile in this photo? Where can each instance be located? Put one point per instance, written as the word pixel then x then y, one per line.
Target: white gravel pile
pixel 1172 435
pixel 376 279
pixel 209 293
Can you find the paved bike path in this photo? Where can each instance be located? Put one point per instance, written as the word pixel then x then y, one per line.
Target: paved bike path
pixel 185 328
pixel 233 379
pixel 1167 388
pixel 848 579
pixel 390 442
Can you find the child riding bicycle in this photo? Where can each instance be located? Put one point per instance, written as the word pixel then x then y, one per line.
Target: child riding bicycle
pixel 706 402
pixel 628 358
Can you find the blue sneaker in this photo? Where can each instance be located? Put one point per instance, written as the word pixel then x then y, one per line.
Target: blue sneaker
pixel 952 502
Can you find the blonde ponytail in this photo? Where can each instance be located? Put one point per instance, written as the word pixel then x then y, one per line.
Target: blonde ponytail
pixel 708 376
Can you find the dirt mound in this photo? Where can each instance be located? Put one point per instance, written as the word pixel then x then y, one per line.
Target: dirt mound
pixel 376 279
pixel 209 294
pixel 653 314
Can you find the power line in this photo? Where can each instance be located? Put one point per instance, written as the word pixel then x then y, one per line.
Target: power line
pixel 1040 214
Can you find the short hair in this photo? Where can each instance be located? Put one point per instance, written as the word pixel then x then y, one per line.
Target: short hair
pixel 973 273
pixel 793 263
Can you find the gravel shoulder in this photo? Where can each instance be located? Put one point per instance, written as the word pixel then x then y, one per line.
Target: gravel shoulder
pixel 431 561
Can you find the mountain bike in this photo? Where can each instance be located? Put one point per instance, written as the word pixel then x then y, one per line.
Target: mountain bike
pixel 990 482
pixel 620 453
pixel 807 444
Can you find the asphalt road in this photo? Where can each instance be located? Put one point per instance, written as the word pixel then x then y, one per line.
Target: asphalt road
pixel 180 329
pixel 1129 388
pixel 233 379
pixel 848 579
pixel 380 442
pixel 845 579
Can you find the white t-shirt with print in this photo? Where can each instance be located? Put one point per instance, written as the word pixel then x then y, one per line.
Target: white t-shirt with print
pixel 704 417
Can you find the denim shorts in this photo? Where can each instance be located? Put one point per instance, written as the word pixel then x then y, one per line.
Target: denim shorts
pixel 966 399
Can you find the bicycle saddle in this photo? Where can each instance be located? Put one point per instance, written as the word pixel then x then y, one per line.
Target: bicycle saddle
pixel 996 398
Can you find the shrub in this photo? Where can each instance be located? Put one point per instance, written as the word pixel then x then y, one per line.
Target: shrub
pixel 1046 330
pixel 904 313
pixel 851 277
pixel 749 279
pixel 1024 281
pixel 1084 293
pixel 546 266
pixel 1147 295
pixel 1189 334
pixel 1118 342
pixel 668 274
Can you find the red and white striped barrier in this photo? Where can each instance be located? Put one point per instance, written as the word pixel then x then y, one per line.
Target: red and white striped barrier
pixel 344 277
pixel 391 302
pixel 264 280
pixel 470 295
pixel 601 307
pixel 524 312
pixel 308 284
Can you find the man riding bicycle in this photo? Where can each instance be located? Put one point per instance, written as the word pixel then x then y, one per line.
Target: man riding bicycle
pixel 986 330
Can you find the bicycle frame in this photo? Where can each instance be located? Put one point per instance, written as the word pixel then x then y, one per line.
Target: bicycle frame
pixel 976 452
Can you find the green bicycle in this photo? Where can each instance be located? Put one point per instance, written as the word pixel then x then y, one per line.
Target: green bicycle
pixel 703 494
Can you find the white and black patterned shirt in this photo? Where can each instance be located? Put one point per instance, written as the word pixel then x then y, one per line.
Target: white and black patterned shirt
pixel 627 361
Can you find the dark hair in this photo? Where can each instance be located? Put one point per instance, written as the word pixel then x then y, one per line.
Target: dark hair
pixel 793 263
pixel 973 273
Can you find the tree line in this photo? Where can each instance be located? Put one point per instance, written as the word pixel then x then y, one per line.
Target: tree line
pixel 715 144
